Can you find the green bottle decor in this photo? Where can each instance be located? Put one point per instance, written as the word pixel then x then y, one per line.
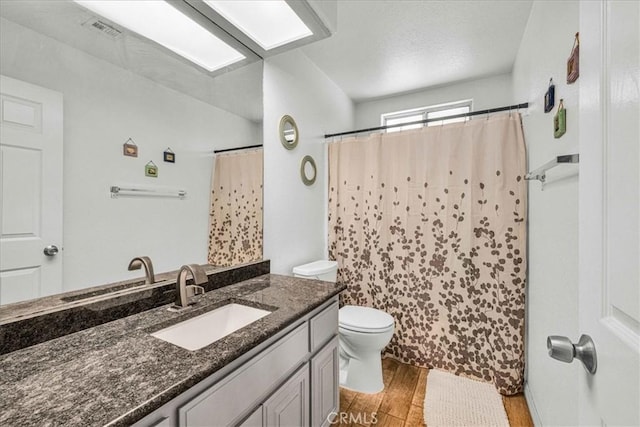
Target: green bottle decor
pixel 560 121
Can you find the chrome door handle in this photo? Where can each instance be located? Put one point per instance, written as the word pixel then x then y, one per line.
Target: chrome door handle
pixel 561 348
pixel 51 250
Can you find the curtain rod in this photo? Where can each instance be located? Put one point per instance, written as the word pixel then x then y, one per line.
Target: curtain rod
pixel 237 148
pixel 455 116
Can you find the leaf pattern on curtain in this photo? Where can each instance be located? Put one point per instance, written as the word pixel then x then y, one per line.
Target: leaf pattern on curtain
pixel 235 229
pixel 429 226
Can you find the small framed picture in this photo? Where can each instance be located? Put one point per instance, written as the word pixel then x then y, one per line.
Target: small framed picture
pixel 129 148
pixel 560 121
pixel 151 170
pixel 549 97
pixel 573 63
pixel 169 156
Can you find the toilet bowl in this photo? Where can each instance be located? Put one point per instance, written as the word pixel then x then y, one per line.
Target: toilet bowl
pixel 363 332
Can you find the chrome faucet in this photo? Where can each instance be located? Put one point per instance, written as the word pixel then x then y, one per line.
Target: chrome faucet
pixel 145 261
pixel 184 292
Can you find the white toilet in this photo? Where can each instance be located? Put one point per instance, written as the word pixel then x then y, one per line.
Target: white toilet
pixel 364 332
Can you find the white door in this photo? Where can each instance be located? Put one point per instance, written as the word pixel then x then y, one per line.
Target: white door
pixel 30 190
pixel 610 209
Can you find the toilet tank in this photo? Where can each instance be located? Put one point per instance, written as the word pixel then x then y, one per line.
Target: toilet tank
pixel 320 270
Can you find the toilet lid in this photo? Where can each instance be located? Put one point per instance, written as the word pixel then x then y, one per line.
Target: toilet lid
pixel 315 268
pixel 364 319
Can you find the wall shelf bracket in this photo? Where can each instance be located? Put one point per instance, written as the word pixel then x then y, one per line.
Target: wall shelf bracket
pixel 540 174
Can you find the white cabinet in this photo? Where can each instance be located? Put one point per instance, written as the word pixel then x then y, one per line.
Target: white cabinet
pixel 289 405
pixel 325 386
pixel 290 380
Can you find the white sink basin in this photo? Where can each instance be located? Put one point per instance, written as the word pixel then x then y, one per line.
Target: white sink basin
pixel 200 331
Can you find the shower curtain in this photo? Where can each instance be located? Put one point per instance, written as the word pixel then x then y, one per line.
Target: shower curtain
pixel 235 227
pixel 429 226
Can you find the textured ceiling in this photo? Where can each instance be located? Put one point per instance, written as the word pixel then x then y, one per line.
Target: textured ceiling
pixel 385 47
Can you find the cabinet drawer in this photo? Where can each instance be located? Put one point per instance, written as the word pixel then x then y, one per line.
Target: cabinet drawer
pixel 323 326
pixel 229 399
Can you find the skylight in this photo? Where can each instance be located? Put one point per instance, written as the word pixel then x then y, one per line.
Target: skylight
pixel 159 21
pixel 270 23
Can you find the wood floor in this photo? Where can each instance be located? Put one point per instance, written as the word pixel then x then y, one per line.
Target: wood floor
pixel 400 403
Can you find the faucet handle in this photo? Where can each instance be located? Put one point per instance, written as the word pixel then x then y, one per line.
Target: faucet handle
pixel 184 292
pixel 193 290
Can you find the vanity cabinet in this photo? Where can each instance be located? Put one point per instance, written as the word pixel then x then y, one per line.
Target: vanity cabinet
pixel 290 380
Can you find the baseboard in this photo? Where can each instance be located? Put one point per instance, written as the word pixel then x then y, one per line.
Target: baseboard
pixel 535 417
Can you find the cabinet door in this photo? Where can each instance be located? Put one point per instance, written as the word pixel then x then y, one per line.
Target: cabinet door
pixel 289 405
pixel 324 384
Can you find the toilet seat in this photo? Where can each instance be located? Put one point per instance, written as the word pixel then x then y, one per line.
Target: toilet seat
pixel 364 319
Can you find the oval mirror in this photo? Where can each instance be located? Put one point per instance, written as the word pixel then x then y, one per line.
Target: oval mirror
pixel 308 170
pixel 288 132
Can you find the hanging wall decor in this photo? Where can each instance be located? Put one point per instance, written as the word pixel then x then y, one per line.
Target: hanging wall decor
pixel 150 169
pixel 129 148
pixel 573 63
pixel 560 121
pixel 549 97
pixel 308 170
pixel 169 156
pixel 288 131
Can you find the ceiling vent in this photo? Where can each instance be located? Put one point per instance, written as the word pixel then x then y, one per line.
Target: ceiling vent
pixel 95 24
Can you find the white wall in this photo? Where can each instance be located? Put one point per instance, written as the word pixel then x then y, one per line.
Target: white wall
pixel 553 213
pixel 294 214
pixel 486 93
pixel 103 106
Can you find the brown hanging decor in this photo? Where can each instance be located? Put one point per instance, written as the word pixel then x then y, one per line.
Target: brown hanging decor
pixel 129 148
pixel 573 63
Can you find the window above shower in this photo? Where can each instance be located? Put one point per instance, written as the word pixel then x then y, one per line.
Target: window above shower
pixel 424 113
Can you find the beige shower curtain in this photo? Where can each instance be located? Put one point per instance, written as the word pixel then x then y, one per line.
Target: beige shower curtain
pixel 235 228
pixel 429 225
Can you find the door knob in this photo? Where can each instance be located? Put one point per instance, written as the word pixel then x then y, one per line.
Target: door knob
pixel 562 349
pixel 51 250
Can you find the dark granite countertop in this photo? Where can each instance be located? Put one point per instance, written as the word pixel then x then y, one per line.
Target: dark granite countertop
pixel 27 323
pixel 38 306
pixel 116 373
